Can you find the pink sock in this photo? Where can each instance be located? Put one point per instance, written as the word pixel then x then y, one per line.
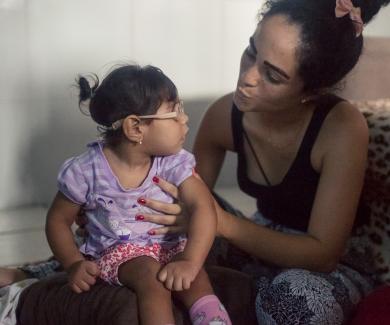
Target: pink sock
pixel 207 310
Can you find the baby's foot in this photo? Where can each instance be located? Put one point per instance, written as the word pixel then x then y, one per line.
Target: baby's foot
pixel 9 276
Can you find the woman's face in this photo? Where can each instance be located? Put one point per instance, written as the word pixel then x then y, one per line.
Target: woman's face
pixel 268 79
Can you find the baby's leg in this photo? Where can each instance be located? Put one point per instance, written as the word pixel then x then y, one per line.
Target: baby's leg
pixel 154 300
pixel 203 305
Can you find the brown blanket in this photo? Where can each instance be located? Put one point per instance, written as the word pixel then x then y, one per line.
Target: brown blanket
pixel 51 302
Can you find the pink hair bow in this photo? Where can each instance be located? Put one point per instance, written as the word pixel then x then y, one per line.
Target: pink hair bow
pixel 345 7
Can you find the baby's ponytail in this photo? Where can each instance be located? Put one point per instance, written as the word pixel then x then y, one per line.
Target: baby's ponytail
pixel 85 90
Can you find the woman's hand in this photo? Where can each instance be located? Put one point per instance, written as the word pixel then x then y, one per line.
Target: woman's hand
pixel 174 218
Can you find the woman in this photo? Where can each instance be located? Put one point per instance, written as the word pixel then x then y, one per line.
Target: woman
pixel 301 153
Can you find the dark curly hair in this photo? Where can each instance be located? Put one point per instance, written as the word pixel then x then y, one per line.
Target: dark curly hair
pixel 328 47
pixel 126 90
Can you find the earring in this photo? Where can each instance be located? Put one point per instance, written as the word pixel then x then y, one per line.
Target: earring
pixel 140 141
pixel 304 100
pixel 310 98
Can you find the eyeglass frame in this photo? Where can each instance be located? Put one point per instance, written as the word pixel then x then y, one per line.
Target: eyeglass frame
pixel 175 114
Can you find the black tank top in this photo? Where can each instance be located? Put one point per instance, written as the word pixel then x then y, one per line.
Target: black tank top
pixel 290 202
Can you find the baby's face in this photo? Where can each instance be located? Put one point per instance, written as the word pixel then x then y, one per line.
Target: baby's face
pixel 166 134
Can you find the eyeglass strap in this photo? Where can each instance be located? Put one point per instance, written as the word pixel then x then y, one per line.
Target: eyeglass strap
pixel 159 116
pixel 116 125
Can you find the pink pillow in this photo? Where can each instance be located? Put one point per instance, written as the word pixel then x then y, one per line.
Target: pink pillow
pixel 373 309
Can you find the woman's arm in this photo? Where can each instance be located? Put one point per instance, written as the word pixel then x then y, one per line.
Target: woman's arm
pixel 342 146
pixel 60 218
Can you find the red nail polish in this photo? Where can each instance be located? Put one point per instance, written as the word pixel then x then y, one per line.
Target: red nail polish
pixel 139 217
pixel 141 201
pixel 151 232
pixel 156 179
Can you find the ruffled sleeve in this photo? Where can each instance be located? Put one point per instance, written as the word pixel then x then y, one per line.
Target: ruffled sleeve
pixel 71 181
pixel 177 168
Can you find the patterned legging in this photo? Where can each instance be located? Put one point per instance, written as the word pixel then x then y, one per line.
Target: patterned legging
pixel 298 296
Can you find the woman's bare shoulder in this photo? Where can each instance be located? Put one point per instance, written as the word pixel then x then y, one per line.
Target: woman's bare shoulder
pixel 221 107
pixel 347 120
pixel 344 128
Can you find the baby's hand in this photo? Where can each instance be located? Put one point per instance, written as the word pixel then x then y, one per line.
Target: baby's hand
pixel 82 275
pixel 178 275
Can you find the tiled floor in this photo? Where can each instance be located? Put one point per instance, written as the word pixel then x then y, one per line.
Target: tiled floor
pixel 22 236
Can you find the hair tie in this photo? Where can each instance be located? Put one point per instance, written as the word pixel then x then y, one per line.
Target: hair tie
pixel 345 7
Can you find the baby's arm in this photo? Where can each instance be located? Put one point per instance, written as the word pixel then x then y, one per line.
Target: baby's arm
pixel 196 197
pixel 60 218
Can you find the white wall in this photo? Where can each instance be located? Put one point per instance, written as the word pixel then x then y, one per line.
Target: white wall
pixel 44 44
pixel 380 25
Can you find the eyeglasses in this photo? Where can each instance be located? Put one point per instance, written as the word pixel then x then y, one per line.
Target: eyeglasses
pixel 178 112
